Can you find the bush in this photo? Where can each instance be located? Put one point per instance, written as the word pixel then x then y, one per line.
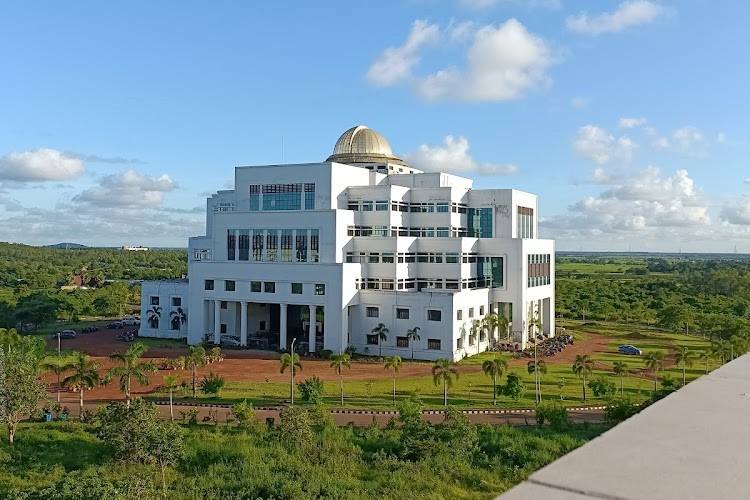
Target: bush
pixel 513 387
pixel 213 383
pixel 243 413
pixel 554 413
pixel 601 387
pixel 311 390
pixel 619 409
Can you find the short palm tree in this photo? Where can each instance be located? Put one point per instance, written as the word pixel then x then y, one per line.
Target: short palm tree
pixel 382 332
pixel 393 363
pixel 85 375
pixel 537 368
pixel 490 323
pixel 534 326
pixel 739 344
pixel 654 361
pixel 582 367
pixel 153 317
pixel 338 362
pixel 412 335
pixel 172 384
pixel 130 368
pixel 685 357
pixel 196 357
pixel 444 371
pixel 721 350
pixel 9 337
pixel 494 368
pixel 179 318
pixel 621 369
pixel 291 361
pixel 705 356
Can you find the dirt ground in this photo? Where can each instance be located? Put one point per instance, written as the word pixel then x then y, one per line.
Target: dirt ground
pixel 263 366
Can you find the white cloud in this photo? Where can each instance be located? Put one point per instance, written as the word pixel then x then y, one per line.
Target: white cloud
pixel 503 64
pixel 453 157
pixel 128 189
pixel 484 4
pixel 628 14
pixel 631 122
pixel 40 165
pixel 688 139
pixel 396 63
pixel 598 145
pixel 737 212
pixel 579 102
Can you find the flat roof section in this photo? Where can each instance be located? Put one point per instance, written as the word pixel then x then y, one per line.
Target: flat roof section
pixel 693 444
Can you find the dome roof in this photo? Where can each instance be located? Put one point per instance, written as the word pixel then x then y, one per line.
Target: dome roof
pixel 363 145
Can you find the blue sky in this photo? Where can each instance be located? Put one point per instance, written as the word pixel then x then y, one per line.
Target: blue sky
pixel 628 119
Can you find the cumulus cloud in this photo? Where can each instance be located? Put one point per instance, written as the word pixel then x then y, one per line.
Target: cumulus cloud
pixel 128 189
pixel 598 145
pixel 503 63
pixel 396 63
pixel 631 122
pixel 688 139
pixel 646 202
pixel 627 15
pixel 453 157
pixel 114 160
pixel 40 165
pixel 737 212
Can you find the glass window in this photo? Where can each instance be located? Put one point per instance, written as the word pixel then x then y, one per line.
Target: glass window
pixel 402 341
pixel 231 243
pixel 433 344
pixel 373 258
pixel 434 315
pixel 297 288
pixel 229 285
pixel 208 285
pixel 481 310
pixel 255 286
pixel 387 258
pixel 373 312
pixel 272 241
pixel 372 339
pixel 243 243
pixel 402 313
pixel 309 196
pixel 471 312
pixel 223 304
pixel 300 236
pixel 269 286
pixel 314 245
pixel 287 243
pixel 381 206
pixel 154 301
pixel 223 328
pixel 176 301
pixel 320 289
pixel 459 314
pixel 460 343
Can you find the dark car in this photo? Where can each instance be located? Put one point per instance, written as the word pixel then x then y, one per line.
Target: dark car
pixel 65 334
pixel 115 324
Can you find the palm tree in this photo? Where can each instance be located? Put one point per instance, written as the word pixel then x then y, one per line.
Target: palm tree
pixel 130 368
pixel 654 361
pixel 685 357
pixel 582 367
pixel 720 349
pixel 412 336
pixel 476 328
pixel 171 384
pixel 705 356
pixel 85 375
pixel 494 368
pixel 444 371
pixel 153 317
pixel 179 318
pixel 537 368
pixel 490 323
pixel 739 344
pixel 57 367
pixel 196 357
pixel 9 337
pixel 290 360
pixel 621 369
pixel 338 362
pixel 382 332
pixel 393 363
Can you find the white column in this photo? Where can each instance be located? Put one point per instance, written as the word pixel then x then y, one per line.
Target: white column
pixel 243 324
pixel 311 339
pixel 282 326
pixel 217 322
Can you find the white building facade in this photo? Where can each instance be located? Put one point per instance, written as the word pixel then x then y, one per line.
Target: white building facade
pixel 357 241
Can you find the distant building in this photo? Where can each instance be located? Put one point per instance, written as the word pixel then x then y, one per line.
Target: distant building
pixel 135 249
pixel 326 252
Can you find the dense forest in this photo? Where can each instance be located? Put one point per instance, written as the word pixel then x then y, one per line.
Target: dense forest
pixel 32 281
pixel 708 296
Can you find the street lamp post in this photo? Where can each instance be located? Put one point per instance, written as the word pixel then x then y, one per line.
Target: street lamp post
pixel 291 382
pixel 58 366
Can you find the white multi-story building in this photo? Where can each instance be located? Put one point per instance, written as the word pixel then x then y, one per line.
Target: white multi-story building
pixel 354 242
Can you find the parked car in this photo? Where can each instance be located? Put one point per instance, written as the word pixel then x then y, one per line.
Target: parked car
pixel 115 324
pixel 130 321
pixel 65 334
pixel 230 341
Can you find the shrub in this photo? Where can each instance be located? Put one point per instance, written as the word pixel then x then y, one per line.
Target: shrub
pixel 295 427
pixel 554 413
pixel 513 387
pixel 243 413
pixel 311 390
pixel 619 409
pixel 601 387
pixel 212 383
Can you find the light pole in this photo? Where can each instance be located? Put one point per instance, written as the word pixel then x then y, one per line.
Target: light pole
pixel 58 366
pixel 291 382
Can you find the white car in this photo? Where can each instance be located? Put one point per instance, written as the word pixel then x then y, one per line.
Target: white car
pixel 130 321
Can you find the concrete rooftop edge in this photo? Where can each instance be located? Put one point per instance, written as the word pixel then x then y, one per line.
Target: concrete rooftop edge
pixel 693 444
